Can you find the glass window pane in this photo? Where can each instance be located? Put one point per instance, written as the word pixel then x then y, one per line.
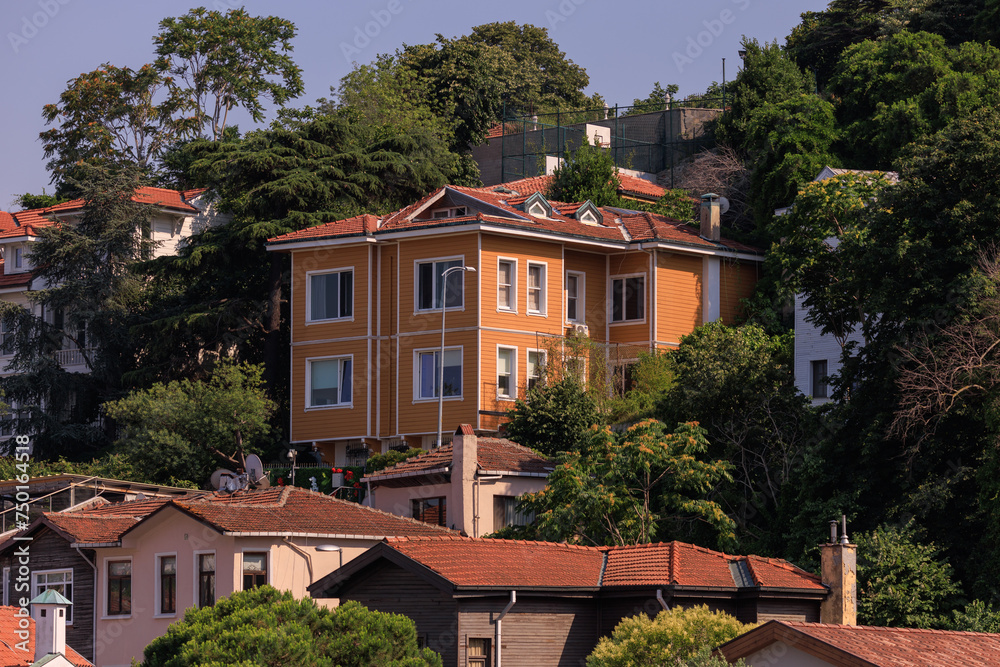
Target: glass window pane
pixel 345 380
pixel 346 294
pixel 206 562
pixel 120 568
pixel 617 300
pixel 456 280
pixel 168 565
pixel 254 562
pixel 453 373
pixel 428 374
pixel 325 381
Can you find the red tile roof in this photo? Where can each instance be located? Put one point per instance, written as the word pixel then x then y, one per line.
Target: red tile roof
pixel 492 454
pixel 879 647
pixel 11 655
pixel 487 562
pixel 155 196
pixel 14 279
pixel 287 509
pixel 505 563
pixel 102 524
pixel 500 209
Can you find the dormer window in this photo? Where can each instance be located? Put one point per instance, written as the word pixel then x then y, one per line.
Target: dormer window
pixel 588 214
pixel 537 206
pixel 453 212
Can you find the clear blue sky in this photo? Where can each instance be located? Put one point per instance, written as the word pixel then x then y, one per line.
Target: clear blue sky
pixel 624 45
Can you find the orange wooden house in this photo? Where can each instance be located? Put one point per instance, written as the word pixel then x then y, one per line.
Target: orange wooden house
pixel 367 297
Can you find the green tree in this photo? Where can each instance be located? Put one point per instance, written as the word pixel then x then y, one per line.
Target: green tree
pixel 589 173
pixel 643 485
pixel 737 383
pixel 656 100
pixel 555 416
pixel 85 302
pixel 112 116
pixel 184 429
pixel 652 378
pixel 677 636
pixel 901 582
pixel 263 626
pixel 229 60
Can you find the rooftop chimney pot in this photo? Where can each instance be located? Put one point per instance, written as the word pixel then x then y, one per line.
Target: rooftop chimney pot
pixel 711 215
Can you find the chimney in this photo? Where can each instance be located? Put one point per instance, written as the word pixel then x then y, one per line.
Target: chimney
pixel 49 613
pixel 464 461
pixel 711 213
pixel 840 573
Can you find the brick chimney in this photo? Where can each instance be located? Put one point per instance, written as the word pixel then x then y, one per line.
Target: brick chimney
pixel 49 613
pixel 711 216
pixel 839 564
pixel 464 459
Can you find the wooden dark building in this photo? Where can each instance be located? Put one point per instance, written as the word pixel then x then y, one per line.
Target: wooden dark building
pixel 559 599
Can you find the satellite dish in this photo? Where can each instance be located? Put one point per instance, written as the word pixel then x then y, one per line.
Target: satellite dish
pixel 262 483
pixel 219 477
pixel 140 496
pixel 255 468
pixel 723 205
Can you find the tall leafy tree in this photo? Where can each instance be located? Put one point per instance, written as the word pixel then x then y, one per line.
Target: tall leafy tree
pixel 85 297
pixel 589 173
pixel 555 416
pixel 229 60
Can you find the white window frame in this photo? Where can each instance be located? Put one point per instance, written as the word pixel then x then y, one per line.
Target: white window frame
pixel 19 256
pixel 267 563
pixel 196 579
pixel 337 406
pixel 35 591
pixel 527 366
pixel 512 288
pixel 417 398
pixel 6 586
pixel 416 284
pixel 157 588
pixel 309 276
pixel 581 296
pixel 449 212
pixel 542 301
pixel 611 299
pixel 816 380
pixel 107 581
pixel 512 378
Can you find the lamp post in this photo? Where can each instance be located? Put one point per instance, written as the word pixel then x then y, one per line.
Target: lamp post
pixel 444 309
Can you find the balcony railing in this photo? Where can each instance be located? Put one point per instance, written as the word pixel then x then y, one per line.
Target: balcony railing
pixel 73 357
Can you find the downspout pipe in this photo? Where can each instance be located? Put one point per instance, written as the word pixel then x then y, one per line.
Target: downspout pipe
pixel 659 598
pixel 513 599
pixel 304 554
pixel 93 622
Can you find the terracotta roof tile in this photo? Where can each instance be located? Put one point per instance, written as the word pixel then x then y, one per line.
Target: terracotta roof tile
pixel 359 224
pixel 486 562
pixel 901 647
pixel 14 279
pixel 505 563
pixel 286 509
pixel 105 523
pixel 155 196
pixel 11 656
pixel 494 454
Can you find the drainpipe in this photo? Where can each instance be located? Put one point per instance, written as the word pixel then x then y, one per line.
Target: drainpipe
pixel 659 598
pixel 93 622
pixel 513 599
pixel 309 564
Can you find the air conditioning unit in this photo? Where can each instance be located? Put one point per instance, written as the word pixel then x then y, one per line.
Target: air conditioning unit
pixel 581 330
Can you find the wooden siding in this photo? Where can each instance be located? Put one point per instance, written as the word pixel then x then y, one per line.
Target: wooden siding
pixel 737 282
pixel 525 251
pixel 539 631
pixel 787 610
pixel 678 295
pixel 522 343
pixel 349 257
pixel 594 267
pixel 387 323
pixel 330 422
pixel 48 551
pixel 420 416
pixel 464 246
pixel 390 588
pixel 624 264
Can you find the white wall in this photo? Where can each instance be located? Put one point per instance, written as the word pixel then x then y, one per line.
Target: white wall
pixel 780 654
pixel 811 345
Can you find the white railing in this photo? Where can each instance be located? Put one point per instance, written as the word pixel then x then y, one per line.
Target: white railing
pixel 73 357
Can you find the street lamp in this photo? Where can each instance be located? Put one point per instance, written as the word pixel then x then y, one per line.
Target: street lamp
pixel 444 300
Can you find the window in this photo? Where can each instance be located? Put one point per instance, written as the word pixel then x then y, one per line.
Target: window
pixel 536 366
pixel 206 580
pixel 505 513
pixel 119 587
pixel 506 363
pixel 60 581
pixel 536 288
pixel 506 287
pixel 454 212
pixel 18 257
pixel 819 386
pixel 331 295
pixel 429 371
pixel 574 297
pixel 478 652
pixel 6 336
pixel 254 569
pixel 628 299
pixel 329 382
pixel 167 572
pixel 430 510
pixel 431 290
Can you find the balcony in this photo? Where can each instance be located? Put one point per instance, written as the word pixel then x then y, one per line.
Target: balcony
pixel 74 357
